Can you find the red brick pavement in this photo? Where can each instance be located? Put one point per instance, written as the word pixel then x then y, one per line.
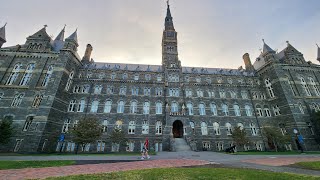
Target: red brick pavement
pixel 32 173
pixel 281 161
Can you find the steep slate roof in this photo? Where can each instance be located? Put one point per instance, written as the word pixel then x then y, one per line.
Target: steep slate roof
pixel 266 48
pixel 41 34
pixel 73 36
pixel 3 32
pixel 158 68
pixel 58 42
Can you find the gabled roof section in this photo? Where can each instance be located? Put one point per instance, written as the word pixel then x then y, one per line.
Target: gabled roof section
pixel 73 37
pixel 41 34
pixel 3 32
pixel 60 36
pixel 266 48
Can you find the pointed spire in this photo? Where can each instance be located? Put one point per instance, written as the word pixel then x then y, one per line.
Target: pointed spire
pixel 41 34
pixel 168 9
pixel 168 20
pixel 318 56
pixel 3 33
pixel 73 36
pixel 60 36
pixel 266 48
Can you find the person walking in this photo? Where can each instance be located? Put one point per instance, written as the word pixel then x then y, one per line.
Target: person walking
pixel 144 153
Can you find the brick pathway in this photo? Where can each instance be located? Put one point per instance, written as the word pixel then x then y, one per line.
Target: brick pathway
pixel 280 161
pixel 33 173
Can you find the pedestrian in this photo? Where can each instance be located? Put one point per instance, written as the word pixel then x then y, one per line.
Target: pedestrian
pixel 144 152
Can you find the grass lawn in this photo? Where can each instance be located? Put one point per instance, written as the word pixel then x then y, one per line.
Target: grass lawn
pixel 274 153
pixel 191 173
pixel 33 164
pixel 79 154
pixel 315 165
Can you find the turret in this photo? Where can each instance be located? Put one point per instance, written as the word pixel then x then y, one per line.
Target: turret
pixel 3 35
pixel 247 62
pixel 87 54
pixel 71 43
pixel 58 42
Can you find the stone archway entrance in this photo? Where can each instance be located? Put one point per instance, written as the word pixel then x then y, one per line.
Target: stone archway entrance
pixel 177 129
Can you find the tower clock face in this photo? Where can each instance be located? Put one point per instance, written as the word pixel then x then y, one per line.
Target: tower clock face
pixel 170 34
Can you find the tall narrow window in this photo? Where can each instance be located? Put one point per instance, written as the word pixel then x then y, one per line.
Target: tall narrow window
pixel 229 129
pixel 27 75
pixel 110 90
pixel 105 124
pixel 188 93
pixel 120 108
pixel 253 129
pixel 222 93
pixel 305 86
pixel 174 107
pixel 267 111
pixel 147 91
pixel 131 127
pixel 69 81
pixel 158 108
pixel 17 100
pixel 107 106
pixel 72 105
pixel 192 126
pixel 146 107
pixel 244 95
pixel 158 91
pixel 47 76
pixel 276 110
pixel 133 107
pixel 81 105
pixel 37 100
pixel 17 145
pixel 225 109
pixel 135 91
pixel 94 106
pixel 145 127
pixel 199 93
pixel 269 87
pixel 248 110
pixel 100 146
pixel 14 74
pixel 314 86
pixel 97 89
pixel 204 128
pixel 301 108
pixel 123 90
pixel 236 109
pixel 259 110
pixel 158 127
pixel 190 108
pixel 202 109
pixel 66 125
pixel 28 123
pixel 214 110
pixel 216 128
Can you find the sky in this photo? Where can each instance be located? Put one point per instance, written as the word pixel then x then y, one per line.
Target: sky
pixel 211 33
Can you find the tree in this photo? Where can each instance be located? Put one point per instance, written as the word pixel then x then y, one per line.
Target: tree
pixel 239 136
pixel 6 129
pixel 87 131
pixel 275 137
pixel 118 137
pixel 315 119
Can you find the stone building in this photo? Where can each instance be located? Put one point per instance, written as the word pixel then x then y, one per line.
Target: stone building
pixel 46 88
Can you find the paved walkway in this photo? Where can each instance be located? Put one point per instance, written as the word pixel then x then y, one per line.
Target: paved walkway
pixel 35 173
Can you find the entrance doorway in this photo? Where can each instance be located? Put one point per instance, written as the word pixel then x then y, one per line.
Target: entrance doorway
pixel 177 129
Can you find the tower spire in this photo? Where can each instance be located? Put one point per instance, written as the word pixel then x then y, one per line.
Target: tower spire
pixel 318 56
pixel 168 20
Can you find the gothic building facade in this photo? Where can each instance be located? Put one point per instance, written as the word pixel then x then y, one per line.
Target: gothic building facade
pixel 46 89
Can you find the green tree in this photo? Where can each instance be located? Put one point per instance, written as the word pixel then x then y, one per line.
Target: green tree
pixel 275 137
pixel 118 137
pixel 6 129
pixel 88 130
pixel 315 119
pixel 239 136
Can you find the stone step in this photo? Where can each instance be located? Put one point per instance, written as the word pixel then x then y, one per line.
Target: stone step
pixel 181 145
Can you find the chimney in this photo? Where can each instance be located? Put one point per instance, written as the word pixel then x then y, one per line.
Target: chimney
pixel 87 54
pixel 247 62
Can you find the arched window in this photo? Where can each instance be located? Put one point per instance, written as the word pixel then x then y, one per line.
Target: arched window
pixel 131 127
pixel 66 125
pixel 69 82
pixel 240 125
pixel 199 93
pixel 314 86
pixel 229 129
pixel 72 105
pixel 27 75
pixel 190 108
pixel 158 127
pixel 204 128
pixel 107 106
pixel 202 109
pixel 81 105
pixel 146 107
pixel 222 93
pixel 17 100
pixel 192 126
pixel 236 110
pixel 259 110
pixel 47 76
pixel 113 76
pixel 233 94
pixel 174 107
pixel 301 108
pixel 37 100
pixel 145 127
pixel 133 107
pixel 244 95
pixel 124 76
pixel 213 108
pixel 123 90
pixel 267 111
pixel 135 91
pixel 276 110
pixel 94 106
pixel 216 128
pixel 14 74
pixel 248 110
pixel 105 124
pixel 120 108
pixel 225 109
pixel 305 86
pixel 97 89
pixel 158 108
pixel 253 129
pixel 269 87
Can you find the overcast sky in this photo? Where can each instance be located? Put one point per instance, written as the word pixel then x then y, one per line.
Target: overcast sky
pixel 211 33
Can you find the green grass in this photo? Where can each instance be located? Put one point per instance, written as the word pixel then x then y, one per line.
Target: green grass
pixel 274 153
pixel 79 154
pixel 190 173
pixel 315 165
pixel 33 164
